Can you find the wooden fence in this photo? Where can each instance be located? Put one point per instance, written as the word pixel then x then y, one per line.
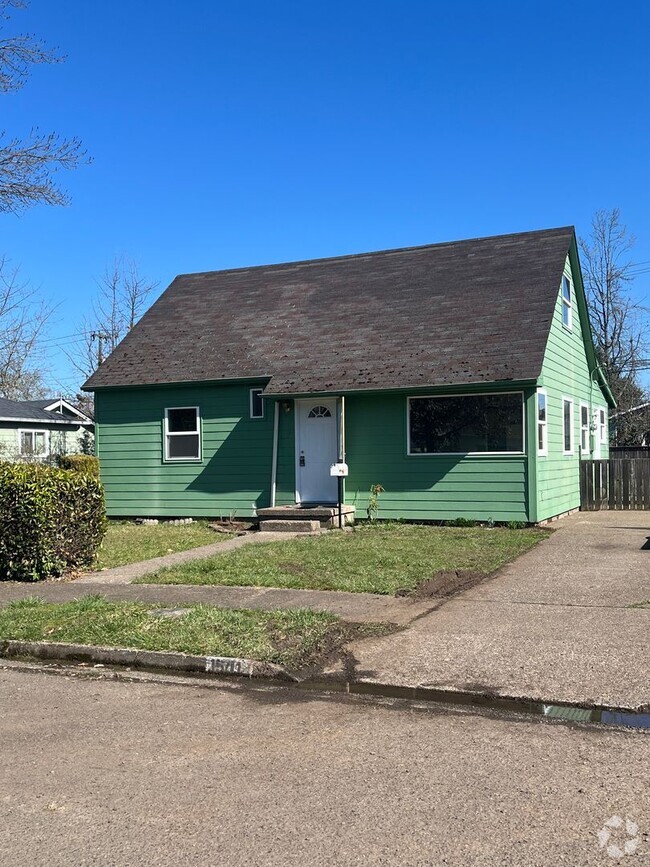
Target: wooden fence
pixel 630 452
pixel 618 483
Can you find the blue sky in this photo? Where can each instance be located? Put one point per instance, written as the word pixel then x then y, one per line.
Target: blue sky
pixel 230 134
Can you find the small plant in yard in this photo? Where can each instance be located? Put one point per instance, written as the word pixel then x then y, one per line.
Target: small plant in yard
pixel 373 501
pixel 516 525
pixel 461 522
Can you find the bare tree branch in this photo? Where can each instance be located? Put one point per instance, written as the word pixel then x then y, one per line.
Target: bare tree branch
pixel 23 317
pixel 27 165
pixel 122 297
pixel 618 321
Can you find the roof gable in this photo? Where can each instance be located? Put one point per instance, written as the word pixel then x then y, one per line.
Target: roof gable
pixel 36 411
pixel 445 314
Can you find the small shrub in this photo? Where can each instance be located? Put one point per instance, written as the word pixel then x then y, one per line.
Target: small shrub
pixel 516 525
pixel 50 520
pixel 88 464
pixel 373 501
pixel 461 522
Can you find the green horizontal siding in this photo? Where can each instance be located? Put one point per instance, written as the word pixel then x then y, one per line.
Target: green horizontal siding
pixel 565 373
pixel 425 487
pixel 234 475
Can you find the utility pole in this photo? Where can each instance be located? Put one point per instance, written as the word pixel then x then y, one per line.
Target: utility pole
pixel 100 336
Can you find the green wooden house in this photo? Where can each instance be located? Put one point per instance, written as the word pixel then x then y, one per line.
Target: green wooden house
pixel 459 376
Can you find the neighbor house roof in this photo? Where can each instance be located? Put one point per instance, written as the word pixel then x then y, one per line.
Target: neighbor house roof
pixel 466 312
pixel 32 411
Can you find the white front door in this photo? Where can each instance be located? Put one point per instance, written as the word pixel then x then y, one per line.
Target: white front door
pixel 316 450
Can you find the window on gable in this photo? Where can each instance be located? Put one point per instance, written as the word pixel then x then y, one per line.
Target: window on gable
pixel 542 430
pixel 466 424
pixel 584 429
pixel 567 302
pixel 256 403
pixel 567 425
pixel 33 443
pixel 182 434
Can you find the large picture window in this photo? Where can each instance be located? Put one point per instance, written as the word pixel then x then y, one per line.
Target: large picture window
pixel 182 434
pixel 465 424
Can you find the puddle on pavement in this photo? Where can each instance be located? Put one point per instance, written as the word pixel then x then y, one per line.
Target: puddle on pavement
pixel 503 704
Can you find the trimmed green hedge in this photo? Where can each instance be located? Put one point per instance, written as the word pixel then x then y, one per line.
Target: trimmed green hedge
pixel 79 463
pixel 50 520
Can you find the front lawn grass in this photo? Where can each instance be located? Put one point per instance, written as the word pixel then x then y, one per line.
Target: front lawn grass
pixel 374 558
pixel 292 638
pixel 126 542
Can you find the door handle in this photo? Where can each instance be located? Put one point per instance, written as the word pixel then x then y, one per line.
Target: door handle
pixel 302 459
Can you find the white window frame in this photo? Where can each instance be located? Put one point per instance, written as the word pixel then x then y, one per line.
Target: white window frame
pixel 570 401
pixel 567 304
pixel 27 430
pixel 543 450
pixel 251 392
pixel 167 434
pixel 472 394
pixel 602 426
pixel 586 450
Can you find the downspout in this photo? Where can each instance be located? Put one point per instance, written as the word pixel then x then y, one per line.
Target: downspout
pixel 274 459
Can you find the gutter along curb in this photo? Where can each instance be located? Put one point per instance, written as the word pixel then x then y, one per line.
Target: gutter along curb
pixel 164 661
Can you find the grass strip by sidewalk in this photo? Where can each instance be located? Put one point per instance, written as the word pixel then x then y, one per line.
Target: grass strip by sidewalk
pixel 374 558
pixel 126 542
pixel 293 638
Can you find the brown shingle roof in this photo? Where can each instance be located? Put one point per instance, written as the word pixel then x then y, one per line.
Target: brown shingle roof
pixel 446 314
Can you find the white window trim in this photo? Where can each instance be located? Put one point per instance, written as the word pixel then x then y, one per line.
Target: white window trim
pixel 602 427
pixel 251 391
pixel 167 433
pixel 542 452
pixel 584 405
pixel 472 394
pixel 567 304
pixel 24 430
pixel 571 426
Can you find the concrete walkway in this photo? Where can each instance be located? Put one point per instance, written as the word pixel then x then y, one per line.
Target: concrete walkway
pixel 355 607
pixel 555 625
pixel 128 573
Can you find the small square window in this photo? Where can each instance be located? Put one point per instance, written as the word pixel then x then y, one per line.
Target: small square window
pixel 567 303
pixel 182 434
pixel 256 403
pixel 33 443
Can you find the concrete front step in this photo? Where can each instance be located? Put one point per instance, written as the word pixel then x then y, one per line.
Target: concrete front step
pixel 327 516
pixel 290 526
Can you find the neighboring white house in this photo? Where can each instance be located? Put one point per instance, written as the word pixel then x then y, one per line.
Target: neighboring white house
pixel 42 429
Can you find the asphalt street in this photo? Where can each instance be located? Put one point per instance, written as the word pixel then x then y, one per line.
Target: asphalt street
pixel 105 772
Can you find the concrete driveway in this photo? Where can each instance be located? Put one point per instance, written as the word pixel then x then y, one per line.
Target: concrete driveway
pixel 556 625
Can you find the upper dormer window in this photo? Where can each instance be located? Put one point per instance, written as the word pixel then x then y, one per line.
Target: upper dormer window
pixel 567 302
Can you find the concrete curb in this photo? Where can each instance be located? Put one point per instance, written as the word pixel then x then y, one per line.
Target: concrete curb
pixel 146 659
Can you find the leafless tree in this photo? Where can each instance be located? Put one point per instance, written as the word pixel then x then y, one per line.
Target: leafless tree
pixel 123 294
pixel 27 165
pixel 618 321
pixel 23 316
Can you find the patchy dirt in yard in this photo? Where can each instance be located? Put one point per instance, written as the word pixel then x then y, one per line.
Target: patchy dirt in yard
pixel 333 647
pixel 444 584
pixel 239 528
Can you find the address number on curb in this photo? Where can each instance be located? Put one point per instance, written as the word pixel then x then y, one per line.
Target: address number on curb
pixel 227 665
